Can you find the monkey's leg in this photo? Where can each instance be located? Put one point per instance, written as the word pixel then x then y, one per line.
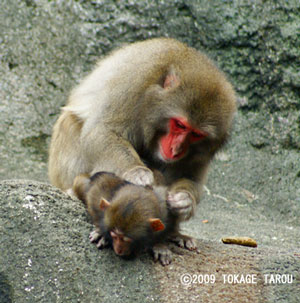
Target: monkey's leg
pixel 162 253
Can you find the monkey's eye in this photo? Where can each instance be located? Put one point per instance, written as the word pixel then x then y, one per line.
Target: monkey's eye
pixel 179 124
pixel 197 135
pixel 127 239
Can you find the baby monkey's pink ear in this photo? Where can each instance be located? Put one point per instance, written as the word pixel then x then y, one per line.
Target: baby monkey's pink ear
pixel 104 204
pixel 156 224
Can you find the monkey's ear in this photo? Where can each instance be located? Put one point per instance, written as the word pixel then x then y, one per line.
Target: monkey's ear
pixel 156 224
pixel 171 80
pixel 104 204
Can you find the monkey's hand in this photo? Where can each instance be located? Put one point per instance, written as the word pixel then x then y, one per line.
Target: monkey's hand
pixel 95 236
pixel 181 203
pixel 162 253
pixel 139 175
pixel 184 241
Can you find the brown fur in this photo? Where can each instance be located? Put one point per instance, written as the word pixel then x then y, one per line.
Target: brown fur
pixel 132 207
pixel 114 119
pixel 131 211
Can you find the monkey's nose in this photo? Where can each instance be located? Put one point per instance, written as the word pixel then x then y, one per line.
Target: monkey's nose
pixel 176 150
pixel 179 149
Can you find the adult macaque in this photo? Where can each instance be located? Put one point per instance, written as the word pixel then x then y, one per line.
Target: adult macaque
pixel 129 217
pixel 156 104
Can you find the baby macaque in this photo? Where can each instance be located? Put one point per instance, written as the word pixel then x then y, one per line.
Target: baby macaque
pixel 129 217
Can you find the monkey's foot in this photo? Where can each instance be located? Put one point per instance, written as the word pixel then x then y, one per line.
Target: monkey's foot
pixel 139 175
pixel 181 203
pixel 184 241
pixel 162 253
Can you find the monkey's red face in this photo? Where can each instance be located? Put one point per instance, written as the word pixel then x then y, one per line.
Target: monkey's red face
pixel 174 145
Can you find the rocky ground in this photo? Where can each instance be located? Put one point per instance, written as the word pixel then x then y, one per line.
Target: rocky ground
pixel 253 188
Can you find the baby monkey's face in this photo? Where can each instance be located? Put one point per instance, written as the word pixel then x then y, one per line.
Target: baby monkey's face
pixel 121 243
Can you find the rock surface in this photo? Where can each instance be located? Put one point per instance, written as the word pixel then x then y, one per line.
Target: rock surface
pixel 253 188
pixel 46 257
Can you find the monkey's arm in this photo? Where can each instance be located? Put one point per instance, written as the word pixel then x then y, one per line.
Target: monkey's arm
pixel 110 152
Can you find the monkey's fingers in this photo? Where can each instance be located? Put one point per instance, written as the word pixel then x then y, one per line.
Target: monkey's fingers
pixel 139 175
pixel 94 236
pixel 180 199
pixel 191 244
pixel 179 241
pixel 184 241
pixel 102 243
pixel 162 253
pixel 165 260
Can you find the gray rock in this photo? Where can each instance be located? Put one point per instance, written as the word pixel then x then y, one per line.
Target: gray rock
pixel 46 257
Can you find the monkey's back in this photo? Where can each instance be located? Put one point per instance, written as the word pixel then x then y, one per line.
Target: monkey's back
pixel 123 76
